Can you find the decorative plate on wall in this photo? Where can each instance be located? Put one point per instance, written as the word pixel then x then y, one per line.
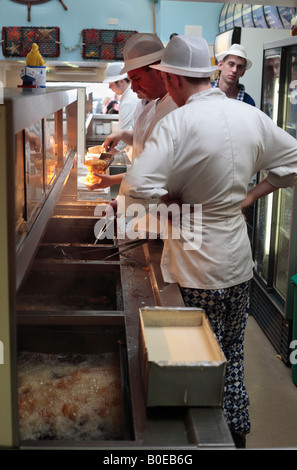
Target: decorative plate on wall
pixel 104 44
pixel 17 40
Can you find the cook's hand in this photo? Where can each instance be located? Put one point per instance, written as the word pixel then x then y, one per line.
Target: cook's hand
pixel 112 140
pixel 102 184
pixel 260 190
pixel 111 209
pixel 248 201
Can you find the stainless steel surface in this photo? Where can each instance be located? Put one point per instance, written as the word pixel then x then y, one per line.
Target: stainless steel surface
pixel 30 105
pixel 208 429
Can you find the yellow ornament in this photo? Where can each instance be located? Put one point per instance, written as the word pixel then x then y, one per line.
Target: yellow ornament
pixel 34 58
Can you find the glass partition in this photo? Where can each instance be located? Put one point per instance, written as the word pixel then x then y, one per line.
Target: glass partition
pixel 34 169
pixel 289 117
pixel 282 243
pixel 272 60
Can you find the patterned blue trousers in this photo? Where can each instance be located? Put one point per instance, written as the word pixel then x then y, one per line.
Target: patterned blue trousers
pixel 227 312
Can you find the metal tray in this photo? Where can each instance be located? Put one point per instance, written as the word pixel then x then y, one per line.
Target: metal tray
pixel 175 371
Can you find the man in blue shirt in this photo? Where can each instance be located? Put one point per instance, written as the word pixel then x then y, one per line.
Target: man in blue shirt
pixel 232 65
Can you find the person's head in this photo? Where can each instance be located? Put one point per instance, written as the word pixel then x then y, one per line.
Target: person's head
pixel 186 67
pixel 118 82
pixel 232 64
pixel 272 65
pixel 140 51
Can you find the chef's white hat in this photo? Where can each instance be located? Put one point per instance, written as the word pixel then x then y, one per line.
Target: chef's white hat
pixel 188 56
pixel 113 72
pixel 142 49
pixel 239 51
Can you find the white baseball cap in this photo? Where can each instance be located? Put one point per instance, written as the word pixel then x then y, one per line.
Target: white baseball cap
pixel 113 72
pixel 187 56
pixel 238 50
pixel 142 49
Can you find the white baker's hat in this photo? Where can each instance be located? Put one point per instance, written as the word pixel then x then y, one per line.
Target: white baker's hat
pixel 238 50
pixel 188 56
pixel 113 72
pixel 142 49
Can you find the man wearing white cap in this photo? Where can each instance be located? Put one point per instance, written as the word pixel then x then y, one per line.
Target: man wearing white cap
pixel 140 51
pixel 204 154
pixel 232 65
pixel 120 85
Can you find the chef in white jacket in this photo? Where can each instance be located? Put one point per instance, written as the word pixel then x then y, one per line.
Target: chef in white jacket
pixel 120 85
pixel 140 51
pixel 204 154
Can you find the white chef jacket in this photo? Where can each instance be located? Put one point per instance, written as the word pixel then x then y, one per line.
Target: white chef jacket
pixel 205 153
pixel 128 103
pixel 127 106
pixel 146 120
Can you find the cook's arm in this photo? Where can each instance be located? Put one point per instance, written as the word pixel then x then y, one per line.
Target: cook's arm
pixel 106 181
pixel 114 138
pixel 260 190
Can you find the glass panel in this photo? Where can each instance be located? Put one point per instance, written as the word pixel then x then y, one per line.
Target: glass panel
pixel 283 240
pixel 50 149
pixel 19 184
pixel 262 240
pixel 34 167
pixel 263 234
pixel 290 104
pixel 271 82
pixel 65 133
